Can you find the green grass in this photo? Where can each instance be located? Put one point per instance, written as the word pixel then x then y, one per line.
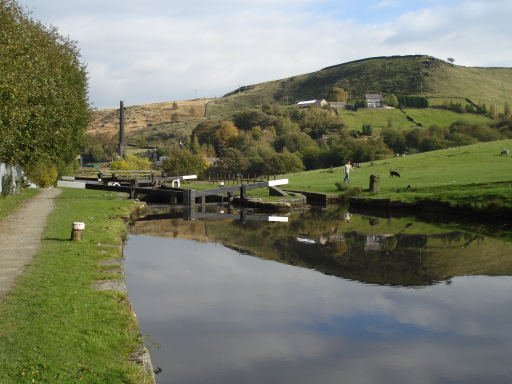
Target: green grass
pixel 53 326
pixel 444 118
pixel 378 119
pixel 472 173
pixel 10 203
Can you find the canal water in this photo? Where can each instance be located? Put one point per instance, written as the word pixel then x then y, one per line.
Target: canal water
pixel 326 297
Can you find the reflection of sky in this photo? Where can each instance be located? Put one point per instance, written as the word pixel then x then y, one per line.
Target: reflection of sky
pixel 223 317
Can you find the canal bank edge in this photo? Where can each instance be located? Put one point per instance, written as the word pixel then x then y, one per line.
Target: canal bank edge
pixel 115 266
pixel 429 208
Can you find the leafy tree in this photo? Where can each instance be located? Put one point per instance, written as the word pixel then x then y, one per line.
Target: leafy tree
pixel 390 100
pixel 99 147
pixel 44 107
pixel 394 139
pixel 225 132
pixel 182 162
pixel 367 130
pixel 266 108
pixel 195 148
pixel 470 108
pixel 294 142
pixel 249 118
pixel 312 157
pixel 233 161
pixel 413 138
pixel 430 144
pixel 205 131
pixel 97 153
pixel 338 94
pixel 256 132
pixel 283 163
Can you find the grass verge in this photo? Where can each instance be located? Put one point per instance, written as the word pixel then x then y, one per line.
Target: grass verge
pixel 10 203
pixel 53 327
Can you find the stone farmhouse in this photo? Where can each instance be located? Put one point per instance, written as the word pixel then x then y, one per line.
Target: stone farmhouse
pixel 373 100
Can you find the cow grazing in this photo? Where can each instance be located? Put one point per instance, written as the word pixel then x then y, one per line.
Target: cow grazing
pixel 393 174
pixel 504 152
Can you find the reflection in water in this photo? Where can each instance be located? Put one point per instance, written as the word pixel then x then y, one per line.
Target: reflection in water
pixel 371 250
pixel 223 316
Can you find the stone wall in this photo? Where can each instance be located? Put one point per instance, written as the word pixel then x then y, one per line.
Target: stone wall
pixel 11 179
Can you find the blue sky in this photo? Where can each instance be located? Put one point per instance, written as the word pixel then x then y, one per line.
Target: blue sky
pixel 156 50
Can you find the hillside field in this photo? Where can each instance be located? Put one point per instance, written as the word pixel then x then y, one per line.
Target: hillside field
pixel 471 173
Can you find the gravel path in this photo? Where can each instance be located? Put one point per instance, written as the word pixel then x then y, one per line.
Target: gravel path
pixel 20 236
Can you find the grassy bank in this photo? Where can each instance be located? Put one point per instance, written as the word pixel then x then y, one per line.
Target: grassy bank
pixel 53 326
pixel 10 203
pixel 474 175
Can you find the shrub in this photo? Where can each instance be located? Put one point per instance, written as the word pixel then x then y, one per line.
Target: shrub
pixel 43 173
pixel 131 163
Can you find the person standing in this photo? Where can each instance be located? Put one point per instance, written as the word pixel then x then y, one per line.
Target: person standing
pixel 347 168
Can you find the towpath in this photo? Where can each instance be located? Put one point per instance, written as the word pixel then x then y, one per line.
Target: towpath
pixel 20 236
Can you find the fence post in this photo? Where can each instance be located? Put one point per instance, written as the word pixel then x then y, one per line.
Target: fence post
pixel 374 183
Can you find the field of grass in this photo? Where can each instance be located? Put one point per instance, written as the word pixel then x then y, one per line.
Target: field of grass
pixel 377 118
pixel 472 173
pixel 444 118
pixel 53 326
pixel 10 203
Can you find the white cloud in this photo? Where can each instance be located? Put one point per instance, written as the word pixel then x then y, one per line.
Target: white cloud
pixel 168 50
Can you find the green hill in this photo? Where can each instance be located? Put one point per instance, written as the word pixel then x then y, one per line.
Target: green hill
pixel 441 82
pixel 401 75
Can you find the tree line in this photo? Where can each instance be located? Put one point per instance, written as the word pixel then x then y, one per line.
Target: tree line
pixel 283 140
pixel 44 107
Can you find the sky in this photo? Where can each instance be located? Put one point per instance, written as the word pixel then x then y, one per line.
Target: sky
pixel 155 50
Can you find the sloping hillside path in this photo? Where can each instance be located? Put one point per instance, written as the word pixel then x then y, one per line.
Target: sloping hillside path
pixel 20 236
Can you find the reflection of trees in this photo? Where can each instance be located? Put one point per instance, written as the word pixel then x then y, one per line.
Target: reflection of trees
pixel 351 259
pixel 368 250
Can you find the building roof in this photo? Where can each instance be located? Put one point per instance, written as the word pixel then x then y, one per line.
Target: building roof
pixel 373 96
pixel 306 102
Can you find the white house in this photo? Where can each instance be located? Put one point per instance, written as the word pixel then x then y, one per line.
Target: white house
pixel 373 100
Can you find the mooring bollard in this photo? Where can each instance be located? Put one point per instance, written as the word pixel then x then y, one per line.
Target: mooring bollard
pixel 374 183
pixel 77 234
